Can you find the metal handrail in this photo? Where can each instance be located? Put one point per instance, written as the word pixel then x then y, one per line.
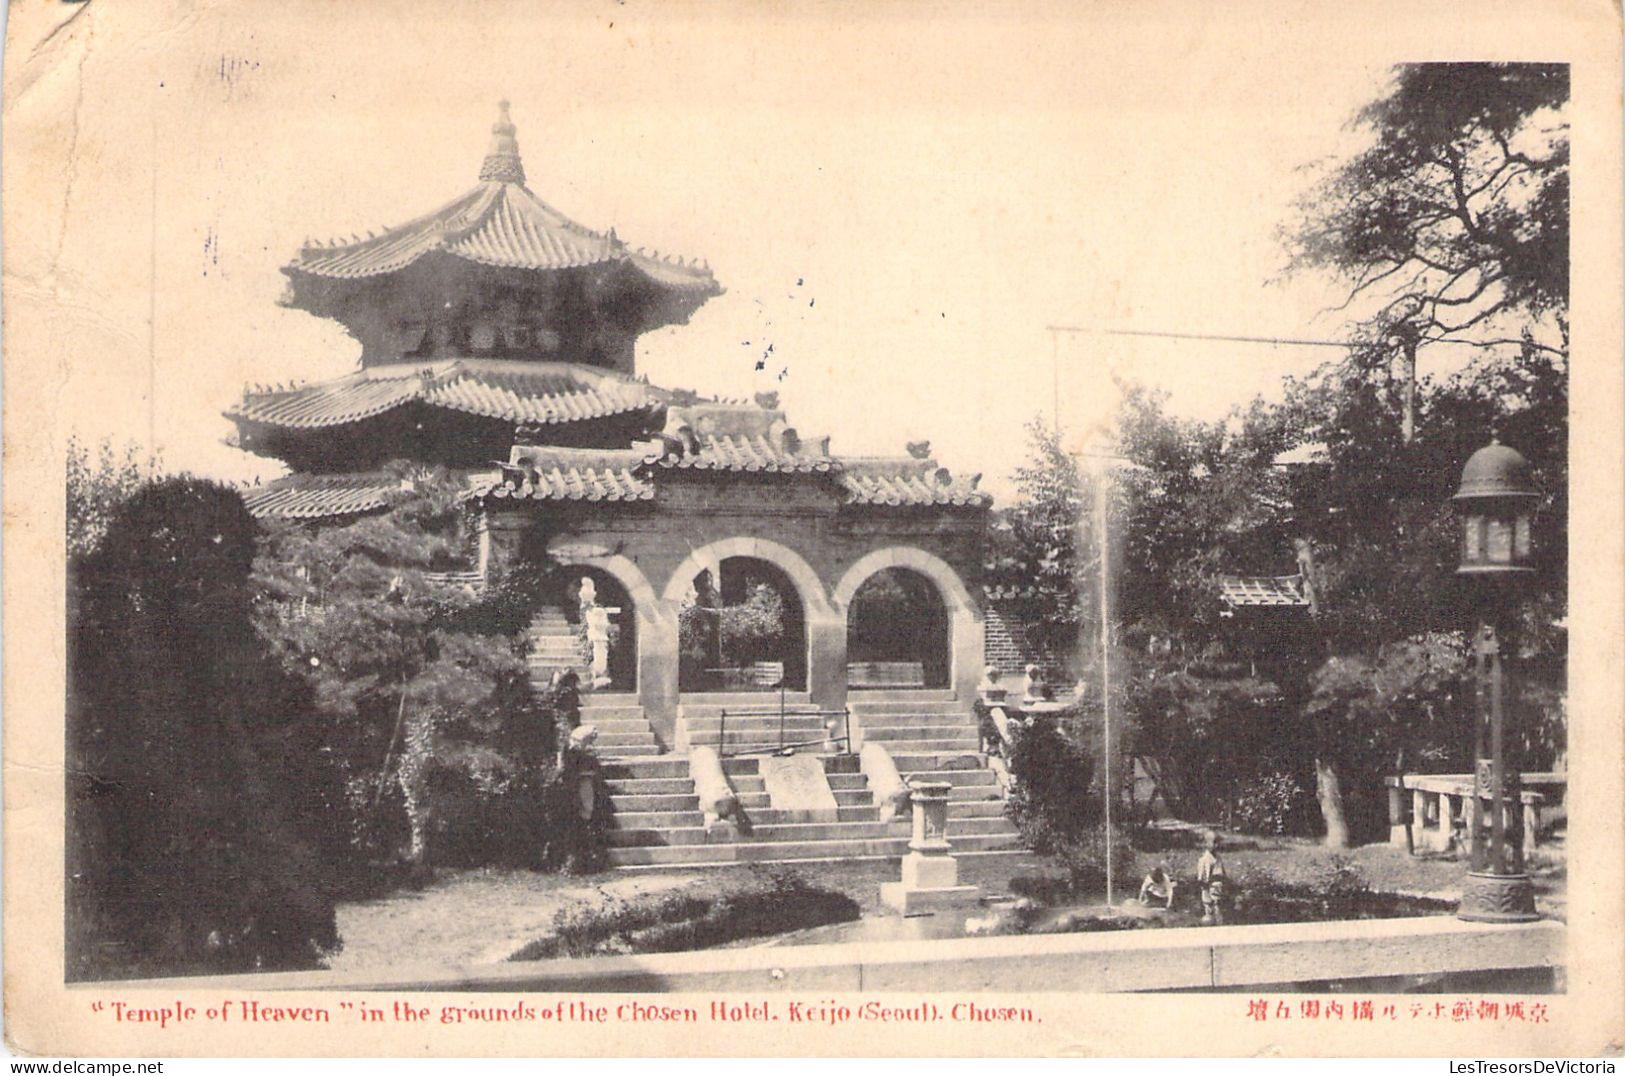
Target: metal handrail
pixel 844 739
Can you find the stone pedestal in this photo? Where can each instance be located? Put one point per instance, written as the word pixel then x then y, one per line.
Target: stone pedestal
pixel 930 878
pixel 1497 898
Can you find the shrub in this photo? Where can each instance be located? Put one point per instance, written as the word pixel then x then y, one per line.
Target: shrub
pixel 1274 803
pixel 1053 802
pixel 700 916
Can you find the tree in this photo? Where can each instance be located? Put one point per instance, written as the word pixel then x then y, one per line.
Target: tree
pixel 421 683
pixel 1371 683
pixel 195 782
pixel 97 487
pixel 1035 542
pixel 1453 222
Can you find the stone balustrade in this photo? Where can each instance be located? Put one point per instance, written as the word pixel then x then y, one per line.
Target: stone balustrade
pixel 1436 814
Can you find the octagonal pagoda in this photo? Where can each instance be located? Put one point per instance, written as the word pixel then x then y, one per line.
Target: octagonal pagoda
pixel 498 338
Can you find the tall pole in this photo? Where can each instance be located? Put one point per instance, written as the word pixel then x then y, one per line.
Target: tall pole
pixel 1103 553
pixel 1408 342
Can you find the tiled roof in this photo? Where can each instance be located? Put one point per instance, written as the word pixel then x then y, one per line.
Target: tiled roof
pixel 568 474
pixel 744 452
pixel 322 496
pixel 512 391
pixel 499 223
pixel 736 437
pixel 905 481
pixel 1258 590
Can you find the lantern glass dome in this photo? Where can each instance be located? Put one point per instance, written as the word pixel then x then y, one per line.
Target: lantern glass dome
pixel 1496 503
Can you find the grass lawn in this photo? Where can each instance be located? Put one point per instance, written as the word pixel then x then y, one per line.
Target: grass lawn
pixel 472 917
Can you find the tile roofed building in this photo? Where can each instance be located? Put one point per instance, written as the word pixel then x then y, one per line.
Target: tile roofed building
pixel 498 342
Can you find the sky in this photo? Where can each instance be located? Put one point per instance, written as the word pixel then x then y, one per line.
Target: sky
pixel 898 200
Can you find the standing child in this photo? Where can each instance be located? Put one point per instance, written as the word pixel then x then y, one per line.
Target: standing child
pixel 1211 878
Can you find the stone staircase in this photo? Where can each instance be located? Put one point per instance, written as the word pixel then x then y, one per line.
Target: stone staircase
pixel 752 724
pixel 657 820
pixel 555 644
pixel 623 731
pixel 932 736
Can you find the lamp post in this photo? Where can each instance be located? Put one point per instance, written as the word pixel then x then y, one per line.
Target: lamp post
pixel 1496 504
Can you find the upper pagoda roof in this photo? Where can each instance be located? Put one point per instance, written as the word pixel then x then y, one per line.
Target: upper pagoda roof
pixel 499 223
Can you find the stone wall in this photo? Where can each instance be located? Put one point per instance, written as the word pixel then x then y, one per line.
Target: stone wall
pixel 796 522
pixel 1010 647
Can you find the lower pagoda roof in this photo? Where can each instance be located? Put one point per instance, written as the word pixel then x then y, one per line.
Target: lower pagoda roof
pixel 532 393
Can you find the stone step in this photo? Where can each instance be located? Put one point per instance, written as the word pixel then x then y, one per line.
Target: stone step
pixel 967 744
pixel 600 711
pixel 650 786
pixel 670 766
pixel 865 709
pixel 632 751
pixel 767 816
pixel 614 741
pixel 757 743
pixel 754 722
pixel 742 700
pixel 840 781
pixel 852 797
pixel 754 801
pixel 916 760
pixel 739 767
pixel 793 832
pixel 636 820
pixel 886 721
pixel 632 803
pixel 614 724
pixel 792 851
pixel 978 778
pixel 899 733
pixel 974 808
pixel 863 696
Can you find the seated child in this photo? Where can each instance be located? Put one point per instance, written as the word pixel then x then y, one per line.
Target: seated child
pixel 1158 884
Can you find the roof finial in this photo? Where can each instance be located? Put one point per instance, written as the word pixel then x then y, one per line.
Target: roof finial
pixel 502 164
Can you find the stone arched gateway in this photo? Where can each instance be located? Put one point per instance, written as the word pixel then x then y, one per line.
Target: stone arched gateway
pixel 826 626
pixel 965 621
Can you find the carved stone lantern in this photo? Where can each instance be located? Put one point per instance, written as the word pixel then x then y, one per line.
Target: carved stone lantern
pixel 1496 502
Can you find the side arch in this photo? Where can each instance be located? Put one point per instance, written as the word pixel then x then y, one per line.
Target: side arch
pixel 625 571
pixel 954 593
pixel 966 627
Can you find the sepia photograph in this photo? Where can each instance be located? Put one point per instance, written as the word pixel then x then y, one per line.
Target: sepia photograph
pixel 614 529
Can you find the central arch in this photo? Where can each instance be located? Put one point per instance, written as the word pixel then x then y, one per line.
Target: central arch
pixel 806 581
pixel 825 628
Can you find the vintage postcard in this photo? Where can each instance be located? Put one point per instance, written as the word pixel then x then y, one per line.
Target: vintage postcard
pixel 813 529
